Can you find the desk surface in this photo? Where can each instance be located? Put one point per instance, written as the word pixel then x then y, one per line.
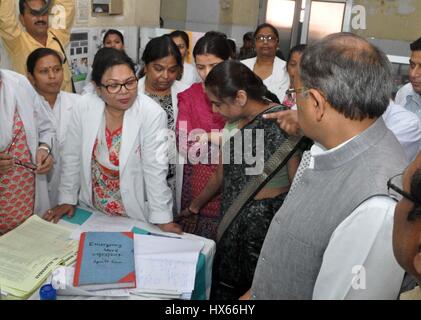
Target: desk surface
pixel 81 217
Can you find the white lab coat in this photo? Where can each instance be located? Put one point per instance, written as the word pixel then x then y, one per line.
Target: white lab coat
pixel 60 116
pixel 176 88
pixel 279 82
pixel 38 127
pixel 143 170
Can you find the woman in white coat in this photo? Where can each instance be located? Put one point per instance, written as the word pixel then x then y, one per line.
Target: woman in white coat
pixel 45 72
pixel 163 62
pixel 112 160
pixel 182 41
pixel 267 65
pixel 25 138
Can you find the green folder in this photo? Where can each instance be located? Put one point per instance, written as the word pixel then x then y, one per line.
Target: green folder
pixel 79 218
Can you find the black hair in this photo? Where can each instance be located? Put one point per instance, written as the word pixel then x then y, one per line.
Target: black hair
pixel 107 58
pixel 213 44
pixel 214 33
pixel 113 31
pixel 416 45
pixel 22 6
pixel 416 194
pixel 266 25
pixel 354 76
pixel 228 77
pixel 181 34
pixel 233 48
pixel 298 48
pixel 248 36
pixel 38 54
pixel 161 47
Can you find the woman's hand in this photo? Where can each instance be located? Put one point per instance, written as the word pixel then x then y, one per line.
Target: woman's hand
pixel 171 227
pixel 6 163
pixel 44 161
pixel 246 296
pixel 54 215
pixel 188 220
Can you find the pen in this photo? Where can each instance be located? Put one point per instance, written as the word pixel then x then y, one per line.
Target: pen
pixel 162 235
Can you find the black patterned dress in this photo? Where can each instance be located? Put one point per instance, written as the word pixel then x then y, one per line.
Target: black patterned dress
pixel 166 103
pixel 238 251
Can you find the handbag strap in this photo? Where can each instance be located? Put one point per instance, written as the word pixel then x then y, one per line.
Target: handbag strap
pixel 275 163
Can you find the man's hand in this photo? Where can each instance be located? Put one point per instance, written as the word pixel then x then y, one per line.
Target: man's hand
pixel 6 163
pixel 287 120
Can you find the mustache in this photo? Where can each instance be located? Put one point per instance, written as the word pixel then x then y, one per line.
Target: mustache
pixel 41 23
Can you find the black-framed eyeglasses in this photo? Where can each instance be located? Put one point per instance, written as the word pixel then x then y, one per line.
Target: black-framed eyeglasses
pixel 263 38
pixel 28 165
pixel 394 189
pixel 116 87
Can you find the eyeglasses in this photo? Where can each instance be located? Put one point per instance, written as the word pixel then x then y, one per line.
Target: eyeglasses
pixel 267 38
pixel 292 92
pixel 394 189
pixel 116 87
pixel 28 165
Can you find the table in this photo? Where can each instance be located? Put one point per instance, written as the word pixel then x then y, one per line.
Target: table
pixel 203 271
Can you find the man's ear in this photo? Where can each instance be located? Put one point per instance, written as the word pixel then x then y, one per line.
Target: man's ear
pixel 22 21
pixel 319 103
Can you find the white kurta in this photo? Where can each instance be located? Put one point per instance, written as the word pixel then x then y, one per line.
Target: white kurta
pixel 278 83
pixel 176 88
pixel 143 164
pixel 38 127
pixel 405 91
pixel 406 126
pixel 60 116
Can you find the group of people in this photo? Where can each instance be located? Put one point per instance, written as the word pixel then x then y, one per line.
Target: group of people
pixel 211 149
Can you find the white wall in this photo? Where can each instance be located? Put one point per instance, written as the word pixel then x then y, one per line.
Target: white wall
pixel 202 15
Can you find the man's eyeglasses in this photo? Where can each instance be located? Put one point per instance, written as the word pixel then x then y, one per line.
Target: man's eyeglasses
pixel 266 38
pixel 116 87
pixel 394 189
pixel 292 92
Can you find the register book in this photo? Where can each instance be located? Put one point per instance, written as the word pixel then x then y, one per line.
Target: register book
pixel 105 261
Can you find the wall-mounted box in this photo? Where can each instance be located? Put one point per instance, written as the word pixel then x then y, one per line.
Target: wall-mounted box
pixel 107 7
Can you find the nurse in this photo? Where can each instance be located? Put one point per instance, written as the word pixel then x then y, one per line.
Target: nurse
pixel 45 72
pixel 112 160
pixel 25 151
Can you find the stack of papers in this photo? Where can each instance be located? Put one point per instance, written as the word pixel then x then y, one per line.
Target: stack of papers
pixel 63 280
pixel 30 253
pixel 165 267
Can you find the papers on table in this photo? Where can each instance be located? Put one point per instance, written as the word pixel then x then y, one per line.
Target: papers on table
pixel 30 253
pixel 63 280
pixel 103 223
pixel 165 267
